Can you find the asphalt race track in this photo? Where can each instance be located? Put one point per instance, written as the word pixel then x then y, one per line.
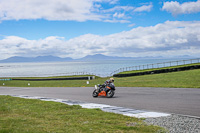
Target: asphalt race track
pixel 185 101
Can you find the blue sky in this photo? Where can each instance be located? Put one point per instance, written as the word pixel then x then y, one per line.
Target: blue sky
pixel 76 28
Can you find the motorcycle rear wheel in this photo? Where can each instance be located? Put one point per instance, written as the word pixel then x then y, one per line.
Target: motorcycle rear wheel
pixel 110 93
pixel 95 93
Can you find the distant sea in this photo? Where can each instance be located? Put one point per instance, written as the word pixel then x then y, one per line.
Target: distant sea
pixel 45 69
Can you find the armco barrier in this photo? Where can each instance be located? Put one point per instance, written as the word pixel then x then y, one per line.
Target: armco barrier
pixel 158 71
pixel 70 78
pixel 5 79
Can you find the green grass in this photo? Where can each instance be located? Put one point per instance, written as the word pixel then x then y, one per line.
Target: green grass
pixel 146 70
pixel 52 83
pixel 19 115
pixel 181 79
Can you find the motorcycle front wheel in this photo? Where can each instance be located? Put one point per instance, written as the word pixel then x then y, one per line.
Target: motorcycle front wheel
pixel 95 93
pixel 110 93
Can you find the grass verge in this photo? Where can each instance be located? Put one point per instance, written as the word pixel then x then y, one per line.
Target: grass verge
pixel 181 79
pixel 19 115
pixel 153 69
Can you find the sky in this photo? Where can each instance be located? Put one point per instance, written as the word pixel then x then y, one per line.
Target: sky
pixel 77 28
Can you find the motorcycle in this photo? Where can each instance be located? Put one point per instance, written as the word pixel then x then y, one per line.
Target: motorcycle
pixel 104 90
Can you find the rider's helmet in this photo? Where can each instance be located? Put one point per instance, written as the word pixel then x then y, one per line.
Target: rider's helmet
pixel 112 80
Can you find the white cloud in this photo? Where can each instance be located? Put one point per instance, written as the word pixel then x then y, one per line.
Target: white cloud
pixel 122 14
pixel 143 8
pixel 176 8
pixel 117 21
pixel 48 9
pixel 17 46
pixel 68 10
pixel 172 38
pixel 108 1
pixel 119 15
pixel 119 8
pixel 131 25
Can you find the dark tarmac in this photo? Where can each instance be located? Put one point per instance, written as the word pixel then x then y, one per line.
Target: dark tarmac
pixel 185 101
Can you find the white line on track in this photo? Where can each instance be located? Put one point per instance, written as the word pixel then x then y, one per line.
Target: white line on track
pixel 20 89
pixel 103 107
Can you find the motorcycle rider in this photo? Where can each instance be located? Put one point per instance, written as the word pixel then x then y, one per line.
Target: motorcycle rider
pixel 110 83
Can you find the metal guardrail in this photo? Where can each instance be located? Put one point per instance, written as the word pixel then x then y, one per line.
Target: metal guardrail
pixel 5 79
pixel 49 75
pixel 157 65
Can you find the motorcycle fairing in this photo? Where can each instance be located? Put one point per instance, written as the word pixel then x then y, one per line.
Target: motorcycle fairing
pixel 102 93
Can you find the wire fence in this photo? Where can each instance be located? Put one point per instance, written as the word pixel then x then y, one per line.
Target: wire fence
pixel 157 65
pixel 73 73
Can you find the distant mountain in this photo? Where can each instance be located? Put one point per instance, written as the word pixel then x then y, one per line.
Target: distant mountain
pixel 103 57
pixel 58 59
pixel 35 59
